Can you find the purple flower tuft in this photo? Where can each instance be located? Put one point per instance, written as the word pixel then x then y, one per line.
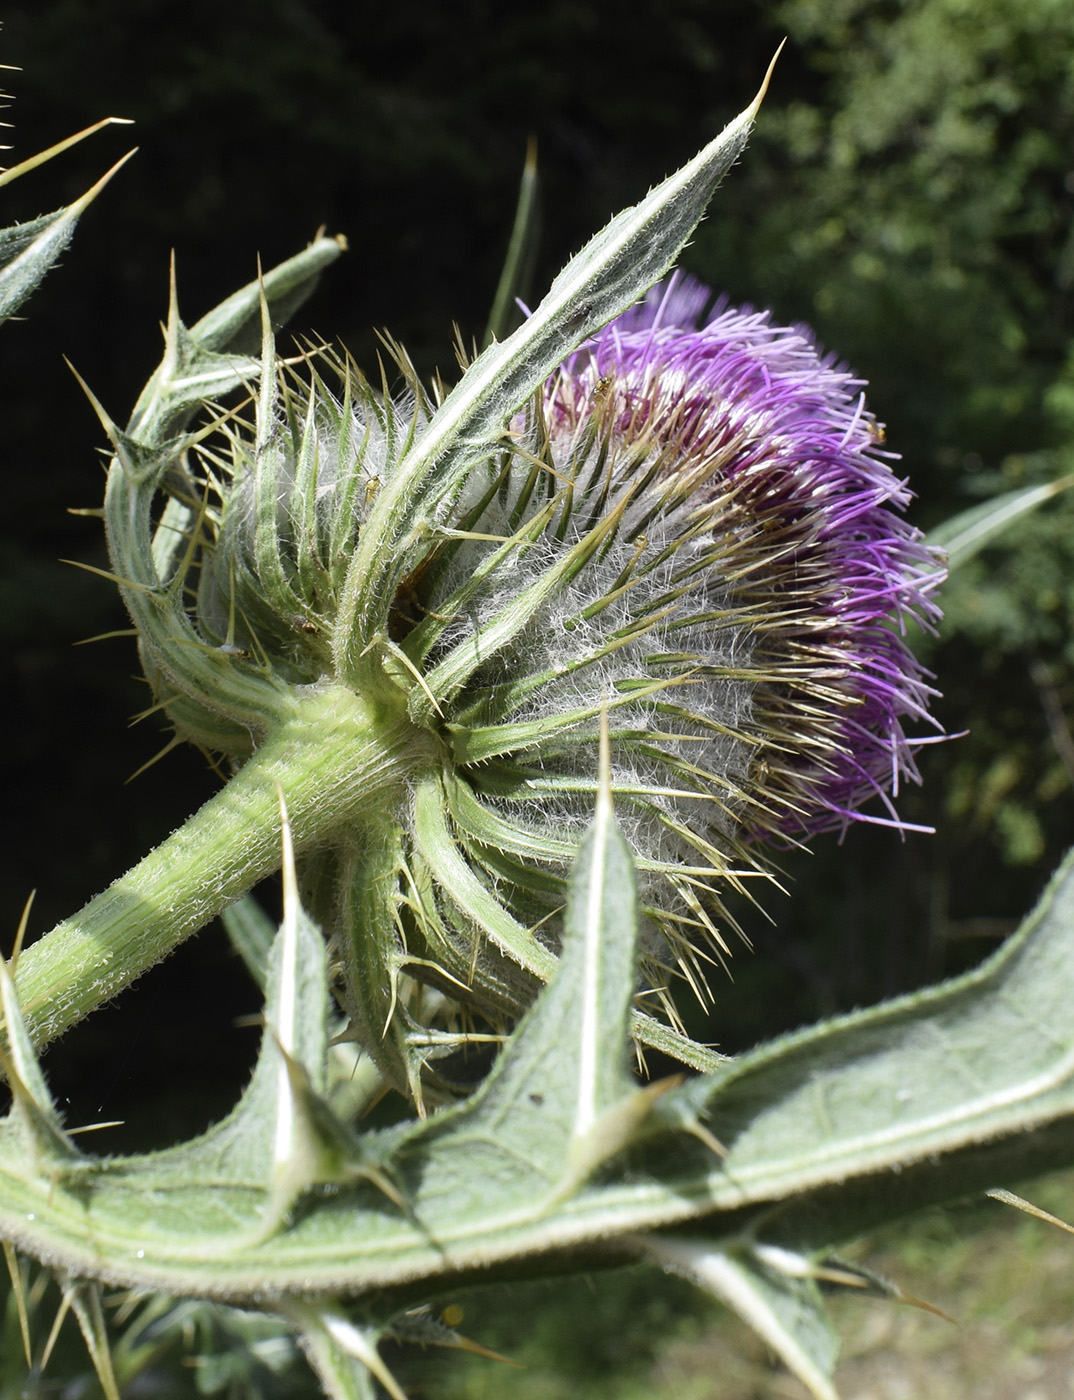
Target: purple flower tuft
pixel 802 519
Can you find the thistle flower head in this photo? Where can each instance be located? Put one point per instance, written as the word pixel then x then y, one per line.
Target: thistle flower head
pixel 695 526
pixel 780 482
pixel 692 526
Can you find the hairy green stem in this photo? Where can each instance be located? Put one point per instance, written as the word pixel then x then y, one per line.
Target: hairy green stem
pixel 335 756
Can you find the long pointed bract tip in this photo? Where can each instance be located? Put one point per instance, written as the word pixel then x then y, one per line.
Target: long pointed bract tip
pixel 755 105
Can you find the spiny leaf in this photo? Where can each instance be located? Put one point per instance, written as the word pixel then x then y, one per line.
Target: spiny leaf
pixel 369 880
pixel 296 1022
pixel 420 1326
pixel 42 1132
pixel 28 250
pixel 598 964
pixel 520 250
pixel 814 1123
pixel 219 352
pixel 322 1150
pixel 840 1272
pixel 18 1291
pixel 786 1312
pixel 333 1344
pixel 84 1299
pixel 902 1081
pixel 235 324
pixel 562 1082
pixel 616 267
pixel 252 933
pixel 479 906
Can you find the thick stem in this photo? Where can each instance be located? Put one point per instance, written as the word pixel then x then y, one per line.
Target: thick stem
pixel 334 757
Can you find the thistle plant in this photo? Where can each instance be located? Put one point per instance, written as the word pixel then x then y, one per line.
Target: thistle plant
pixel 687 527
pixel 517 682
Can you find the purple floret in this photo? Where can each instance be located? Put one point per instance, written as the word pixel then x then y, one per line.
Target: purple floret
pixel 800 476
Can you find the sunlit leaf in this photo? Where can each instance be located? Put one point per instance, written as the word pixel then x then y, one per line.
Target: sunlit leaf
pixel 967 533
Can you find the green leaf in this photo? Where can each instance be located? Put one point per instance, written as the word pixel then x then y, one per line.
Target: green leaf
pixel 43 1135
pixel 24 166
pixel 478 906
pixel 1009 1198
pixel 469 895
pixel 785 1311
pixel 343 1355
pixel 520 251
pixel 220 352
pixel 616 267
pixel 979 1057
pixel 84 1300
pixel 235 325
pixel 829 1132
pixel 597 971
pixel 967 533
pixel 367 902
pixel 252 934
pixel 27 251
